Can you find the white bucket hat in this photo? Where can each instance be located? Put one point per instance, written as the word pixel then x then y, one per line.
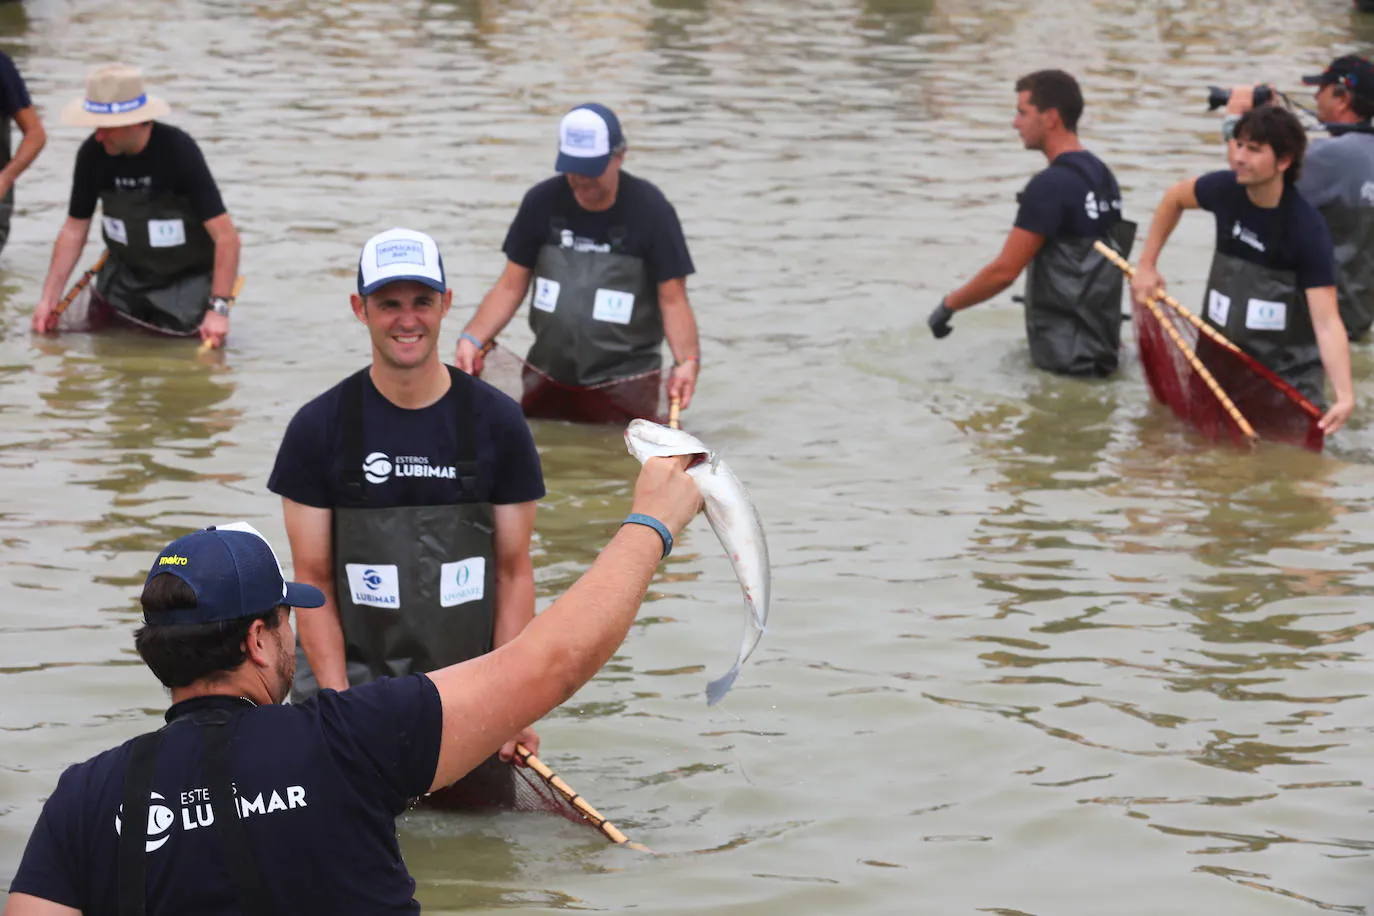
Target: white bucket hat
pixel 114 98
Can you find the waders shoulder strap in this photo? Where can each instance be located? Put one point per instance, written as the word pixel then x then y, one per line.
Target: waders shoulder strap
pixel 351 417
pixel 132 857
pixel 466 464
pixel 216 728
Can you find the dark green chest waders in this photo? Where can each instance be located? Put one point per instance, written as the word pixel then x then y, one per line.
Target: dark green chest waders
pixel 216 727
pixel 161 260
pixel 1352 230
pixel 1073 299
pixel 7 204
pixel 1263 312
pixel 415 585
pixel 594 314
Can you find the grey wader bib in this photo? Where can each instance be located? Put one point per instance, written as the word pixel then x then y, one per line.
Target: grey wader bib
pixel 415 585
pixel 1262 311
pixel 594 314
pixel 161 260
pixel 1073 299
pixel 1352 229
pixel 216 717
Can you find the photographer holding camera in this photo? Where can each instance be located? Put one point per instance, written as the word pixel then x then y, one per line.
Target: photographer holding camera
pixel 1337 175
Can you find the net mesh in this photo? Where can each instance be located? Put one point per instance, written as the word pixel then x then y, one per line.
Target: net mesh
pixel 542 396
pixel 497 786
pixel 1273 408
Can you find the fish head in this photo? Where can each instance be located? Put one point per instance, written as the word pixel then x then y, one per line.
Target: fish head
pixel 645 439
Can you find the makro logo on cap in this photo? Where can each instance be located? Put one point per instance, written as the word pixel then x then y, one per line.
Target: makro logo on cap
pixel 400 251
pixel 171 561
pixel 377 467
pixel 374 584
pixel 463 581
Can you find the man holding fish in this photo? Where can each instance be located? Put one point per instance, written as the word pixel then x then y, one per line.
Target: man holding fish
pixel 242 805
pixel 605 254
pixel 173 250
pixel 409 494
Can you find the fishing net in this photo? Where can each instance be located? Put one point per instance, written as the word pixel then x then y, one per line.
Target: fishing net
pixel 1261 405
pixel 542 396
pixel 498 786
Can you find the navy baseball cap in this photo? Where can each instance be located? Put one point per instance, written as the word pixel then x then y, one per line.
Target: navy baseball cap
pixel 1354 73
pixel 234 573
pixel 587 138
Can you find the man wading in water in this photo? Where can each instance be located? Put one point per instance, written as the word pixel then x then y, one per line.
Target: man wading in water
pixel 1073 294
pixel 174 251
pixel 1272 287
pixel 609 265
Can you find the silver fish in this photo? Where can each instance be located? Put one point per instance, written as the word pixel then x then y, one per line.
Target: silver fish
pixel 734 520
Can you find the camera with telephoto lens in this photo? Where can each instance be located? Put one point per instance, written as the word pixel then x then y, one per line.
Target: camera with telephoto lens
pixel 1218 97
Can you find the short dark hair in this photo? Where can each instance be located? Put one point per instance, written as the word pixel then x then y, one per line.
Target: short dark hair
pixel 1281 130
pixel 181 654
pixel 1054 89
pixel 1362 105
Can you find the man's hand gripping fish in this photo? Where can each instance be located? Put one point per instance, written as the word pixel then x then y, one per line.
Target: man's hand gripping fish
pixel 734 520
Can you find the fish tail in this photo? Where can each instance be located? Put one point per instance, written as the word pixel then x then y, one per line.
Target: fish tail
pixel 718 688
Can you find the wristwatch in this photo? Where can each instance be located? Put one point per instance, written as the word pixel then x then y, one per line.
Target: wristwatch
pixel 220 305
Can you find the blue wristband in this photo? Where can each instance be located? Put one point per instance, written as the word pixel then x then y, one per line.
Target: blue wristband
pixel 648 521
pixel 470 339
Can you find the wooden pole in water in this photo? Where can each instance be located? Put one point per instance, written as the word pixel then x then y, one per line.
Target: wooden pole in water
pixel 80 284
pixel 1293 394
pixel 675 412
pixel 577 801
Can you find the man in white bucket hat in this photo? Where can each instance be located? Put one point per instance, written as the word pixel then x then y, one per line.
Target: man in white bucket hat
pixel 173 250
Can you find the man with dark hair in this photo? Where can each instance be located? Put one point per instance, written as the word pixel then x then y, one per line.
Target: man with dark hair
pixel 1272 288
pixel 1073 294
pixel 1338 178
pixel 240 805
pixel 15 105
pixel 173 249
pixel 409 493
pixel 602 255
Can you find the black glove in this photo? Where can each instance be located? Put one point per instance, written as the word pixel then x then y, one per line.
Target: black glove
pixel 939 321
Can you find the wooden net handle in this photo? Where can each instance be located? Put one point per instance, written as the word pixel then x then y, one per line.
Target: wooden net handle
pixel 675 413
pixel 81 284
pixel 1293 394
pixel 594 816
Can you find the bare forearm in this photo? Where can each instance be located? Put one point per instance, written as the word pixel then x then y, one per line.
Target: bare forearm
pixel 988 282
pixel 514 605
pixel 226 266
pixel 582 629
pixel 1334 345
pixel 65 251
pixel 680 327
pixel 1166 218
pixel 321 634
pixel 497 309
pixel 29 148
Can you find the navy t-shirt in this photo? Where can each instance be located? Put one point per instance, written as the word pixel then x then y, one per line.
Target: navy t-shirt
pixel 1059 202
pixel 14 95
pixel 652 230
pixel 171 163
pixel 406 452
pixel 319 785
pixel 1292 236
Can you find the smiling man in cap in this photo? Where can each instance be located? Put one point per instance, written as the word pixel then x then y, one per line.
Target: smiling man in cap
pixel 605 255
pixel 173 250
pixel 239 805
pixel 409 493
pixel 1338 177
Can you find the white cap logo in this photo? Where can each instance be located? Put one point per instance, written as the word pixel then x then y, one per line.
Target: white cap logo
pixel 584 134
